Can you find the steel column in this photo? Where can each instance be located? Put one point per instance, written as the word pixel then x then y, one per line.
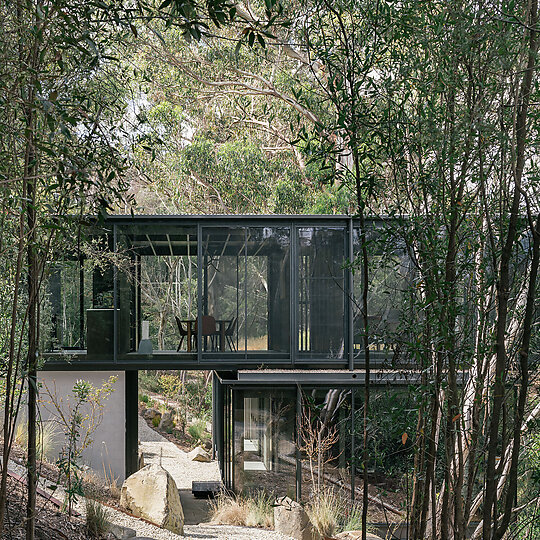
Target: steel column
pixel 131 392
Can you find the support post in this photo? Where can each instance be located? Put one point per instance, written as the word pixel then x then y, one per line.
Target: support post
pixel 132 427
pixel 298 442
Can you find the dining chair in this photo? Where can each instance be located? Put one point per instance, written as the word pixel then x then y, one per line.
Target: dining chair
pixel 229 333
pixel 183 332
pixel 208 329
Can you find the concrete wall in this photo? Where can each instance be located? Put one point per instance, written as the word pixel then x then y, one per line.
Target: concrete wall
pixel 106 454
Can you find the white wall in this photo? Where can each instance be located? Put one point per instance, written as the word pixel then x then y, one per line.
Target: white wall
pixel 107 451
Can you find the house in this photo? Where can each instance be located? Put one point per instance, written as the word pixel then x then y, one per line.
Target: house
pixel 278 301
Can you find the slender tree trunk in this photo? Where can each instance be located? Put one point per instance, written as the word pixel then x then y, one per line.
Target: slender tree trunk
pixel 503 284
pixel 365 331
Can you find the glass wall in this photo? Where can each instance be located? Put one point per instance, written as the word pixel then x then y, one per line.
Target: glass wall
pixel 325 438
pixel 246 286
pixel 265 449
pixel 321 292
pixel 63 311
pixel 286 440
pixel 389 280
pixel 156 277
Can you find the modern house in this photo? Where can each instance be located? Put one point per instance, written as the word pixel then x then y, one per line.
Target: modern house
pixel 277 298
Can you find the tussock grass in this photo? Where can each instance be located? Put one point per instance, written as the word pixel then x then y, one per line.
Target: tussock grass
pixel 326 511
pixel 97 523
pixel 228 511
pixel 254 511
pixel 46 436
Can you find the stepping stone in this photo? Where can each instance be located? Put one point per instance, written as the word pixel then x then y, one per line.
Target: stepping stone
pixel 122 533
pixel 204 490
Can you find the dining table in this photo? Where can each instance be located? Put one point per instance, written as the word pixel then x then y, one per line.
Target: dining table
pixel 221 327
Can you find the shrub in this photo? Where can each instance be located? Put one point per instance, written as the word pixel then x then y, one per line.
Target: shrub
pixel 155 421
pixel 197 431
pixel 144 398
pixel 149 381
pixel 353 519
pixel 97 524
pixel 228 511
pixel 260 512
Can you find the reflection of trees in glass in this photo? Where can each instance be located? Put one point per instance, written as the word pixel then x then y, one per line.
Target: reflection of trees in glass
pixel 61 305
pixel 168 289
pixel 324 432
pixel 247 276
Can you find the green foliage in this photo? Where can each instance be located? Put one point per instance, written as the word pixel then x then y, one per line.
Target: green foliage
pixel 149 381
pixel 392 413
pixel 143 398
pixel 197 431
pixel 198 397
pixel 155 421
pixel 170 385
pixel 46 437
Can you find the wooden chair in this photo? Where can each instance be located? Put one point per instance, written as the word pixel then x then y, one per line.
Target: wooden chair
pixel 183 332
pixel 208 329
pixel 229 333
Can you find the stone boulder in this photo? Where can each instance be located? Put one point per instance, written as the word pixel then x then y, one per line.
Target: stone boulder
pixel 199 454
pixel 121 533
pixel 166 423
pixel 150 414
pixel 151 493
pixel 291 519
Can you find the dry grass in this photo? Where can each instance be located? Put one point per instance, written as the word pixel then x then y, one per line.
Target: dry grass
pixel 228 511
pixel 101 489
pixel 244 511
pixel 326 510
pixel 46 437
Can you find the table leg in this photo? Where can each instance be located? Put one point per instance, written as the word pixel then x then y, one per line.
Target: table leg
pixel 189 337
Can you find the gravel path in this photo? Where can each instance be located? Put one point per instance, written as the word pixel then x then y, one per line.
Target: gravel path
pixel 157 449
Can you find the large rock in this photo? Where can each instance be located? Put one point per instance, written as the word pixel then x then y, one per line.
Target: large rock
pixel 166 423
pixel 291 519
pixel 151 493
pixel 199 454
pixel 150 414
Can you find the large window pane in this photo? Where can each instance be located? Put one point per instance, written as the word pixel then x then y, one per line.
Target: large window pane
pixel 265 450
pixel 321 293
pixel 325 438
pixel 389 276
pixel 268 289
pixel 157 286
pixel 224 289
pixel 246 289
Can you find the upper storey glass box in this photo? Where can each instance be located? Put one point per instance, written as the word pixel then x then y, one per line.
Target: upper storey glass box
pixel 224 292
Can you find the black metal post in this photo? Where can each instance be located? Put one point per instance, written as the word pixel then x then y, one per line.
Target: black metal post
pixel 132 416
pixel 298 442
pixel 350 296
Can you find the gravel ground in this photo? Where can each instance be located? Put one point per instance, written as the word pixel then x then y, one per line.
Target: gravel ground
pixel 157 449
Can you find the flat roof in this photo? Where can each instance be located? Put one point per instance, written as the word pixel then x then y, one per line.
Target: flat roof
pixel 322 377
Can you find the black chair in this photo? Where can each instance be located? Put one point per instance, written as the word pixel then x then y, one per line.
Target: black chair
pixel 208 329
pixel 183 332
pixel 229 333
